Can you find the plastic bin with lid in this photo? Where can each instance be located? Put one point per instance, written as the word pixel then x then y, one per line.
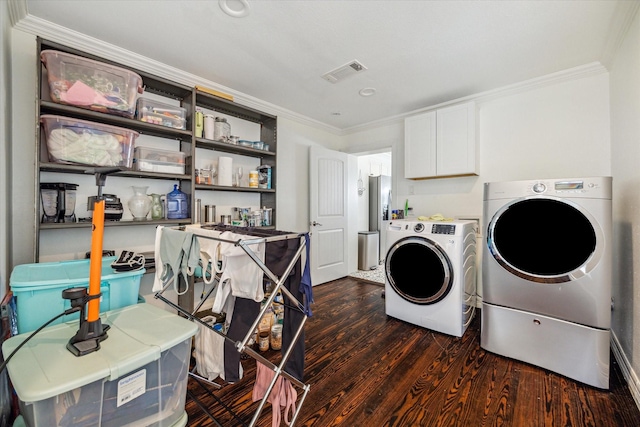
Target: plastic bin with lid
pixel 156 160
pixel 38 288
pixel 159 113
pixel 75 141
pixel 137 377
pixel 85 83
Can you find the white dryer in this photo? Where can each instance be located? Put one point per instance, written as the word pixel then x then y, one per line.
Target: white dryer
pixel 430 270
pixel 547 274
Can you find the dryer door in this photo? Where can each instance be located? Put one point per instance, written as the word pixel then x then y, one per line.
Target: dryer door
pixel 544 240
pixel 419 270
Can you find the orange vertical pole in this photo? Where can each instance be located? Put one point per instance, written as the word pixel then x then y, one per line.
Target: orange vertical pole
pixel 95 264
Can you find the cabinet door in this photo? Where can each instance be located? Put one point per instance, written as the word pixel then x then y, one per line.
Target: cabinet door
pixel 456 140
pixel 420 145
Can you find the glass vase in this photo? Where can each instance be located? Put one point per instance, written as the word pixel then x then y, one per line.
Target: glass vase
pixel 140 203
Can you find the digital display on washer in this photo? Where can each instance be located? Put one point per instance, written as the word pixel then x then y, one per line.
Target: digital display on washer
pixel 443 229
pixel 569 185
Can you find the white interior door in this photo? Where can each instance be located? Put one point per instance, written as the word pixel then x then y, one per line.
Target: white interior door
pixel 328 214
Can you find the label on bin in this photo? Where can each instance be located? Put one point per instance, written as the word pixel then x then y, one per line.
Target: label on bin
pixel 131 387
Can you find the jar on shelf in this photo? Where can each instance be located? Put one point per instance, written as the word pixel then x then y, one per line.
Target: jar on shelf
pixel 157 210
pixel 221 129
pixel 177 204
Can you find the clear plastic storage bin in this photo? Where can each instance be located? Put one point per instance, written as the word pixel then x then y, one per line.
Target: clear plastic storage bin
pixel 90 84
pixel 155 160
pixel 38 288
pixel 138 377
pixel 87 143
pixel 158 113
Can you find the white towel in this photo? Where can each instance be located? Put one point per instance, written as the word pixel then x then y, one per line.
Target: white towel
pixel 245 275
pixel 209 352
pixel 157 281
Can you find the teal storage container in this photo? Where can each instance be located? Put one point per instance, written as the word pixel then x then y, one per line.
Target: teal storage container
pixel 38 288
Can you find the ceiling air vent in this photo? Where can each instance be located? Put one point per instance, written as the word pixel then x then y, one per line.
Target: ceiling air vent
pixel 340 73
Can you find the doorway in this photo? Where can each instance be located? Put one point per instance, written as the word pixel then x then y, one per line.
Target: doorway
pixel 371 164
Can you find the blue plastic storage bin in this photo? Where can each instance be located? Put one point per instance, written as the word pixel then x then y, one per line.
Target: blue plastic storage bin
pixel 38 288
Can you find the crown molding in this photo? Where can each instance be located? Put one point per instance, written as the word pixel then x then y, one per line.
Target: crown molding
pixel 587 70
pixel 622 20
pixel 17 11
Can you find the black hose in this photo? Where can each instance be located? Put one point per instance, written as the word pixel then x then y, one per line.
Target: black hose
pixel 64 313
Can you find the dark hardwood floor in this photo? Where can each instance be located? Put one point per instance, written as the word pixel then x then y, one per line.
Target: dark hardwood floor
pixel 368 370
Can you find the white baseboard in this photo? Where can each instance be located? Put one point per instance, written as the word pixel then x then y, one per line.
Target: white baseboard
pixel 627 370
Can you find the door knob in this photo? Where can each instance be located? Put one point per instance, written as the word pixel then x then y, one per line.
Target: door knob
pixel 316 224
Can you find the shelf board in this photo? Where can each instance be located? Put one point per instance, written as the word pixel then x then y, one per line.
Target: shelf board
pixel 230 148
pixel 49 107
pixel 89 170
pixel 125 223
pixel 237 189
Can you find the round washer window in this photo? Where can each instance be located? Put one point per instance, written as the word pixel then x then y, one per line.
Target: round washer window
pixel 418 270
pixel 542 238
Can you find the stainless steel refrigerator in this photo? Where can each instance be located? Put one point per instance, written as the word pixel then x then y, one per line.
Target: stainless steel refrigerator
pixel 379 209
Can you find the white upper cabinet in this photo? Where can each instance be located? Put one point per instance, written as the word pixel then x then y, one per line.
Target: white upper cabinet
pixel 441 143
pixel 420 145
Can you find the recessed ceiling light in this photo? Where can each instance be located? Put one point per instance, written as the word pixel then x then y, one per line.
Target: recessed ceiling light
pixel 235 8
pixel 367 91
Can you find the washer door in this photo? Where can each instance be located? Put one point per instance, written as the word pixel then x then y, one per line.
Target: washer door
pixel 419 270
pixel 544 240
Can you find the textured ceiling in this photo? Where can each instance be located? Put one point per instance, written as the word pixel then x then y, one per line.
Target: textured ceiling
pixel 417 53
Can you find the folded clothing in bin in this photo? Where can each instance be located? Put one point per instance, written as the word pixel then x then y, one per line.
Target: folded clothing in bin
pixel 38 289
pixel 87 143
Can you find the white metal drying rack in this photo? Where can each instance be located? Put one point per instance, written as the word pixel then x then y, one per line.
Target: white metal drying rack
pixel 241 346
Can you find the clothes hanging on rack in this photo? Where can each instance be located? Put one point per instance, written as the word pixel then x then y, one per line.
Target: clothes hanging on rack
pixel 245 312
pixel 306 287
pixel 282 265
pixel 241 276
pixel 179 254
pixel 283 396
pixel 279 253
pixel 209 253
pixel 209 351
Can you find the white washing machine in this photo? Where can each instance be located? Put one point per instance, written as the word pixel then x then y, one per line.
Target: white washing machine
pixel 430 270
pixel 547 274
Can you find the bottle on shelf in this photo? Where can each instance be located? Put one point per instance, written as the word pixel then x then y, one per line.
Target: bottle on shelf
pixel 177 204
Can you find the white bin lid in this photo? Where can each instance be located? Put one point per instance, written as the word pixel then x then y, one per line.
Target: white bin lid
pixel 139 333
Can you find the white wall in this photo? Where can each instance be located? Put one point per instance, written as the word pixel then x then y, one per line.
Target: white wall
pixel 5 147
pixel 23 128
pixel 292 200
pixel 625 140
